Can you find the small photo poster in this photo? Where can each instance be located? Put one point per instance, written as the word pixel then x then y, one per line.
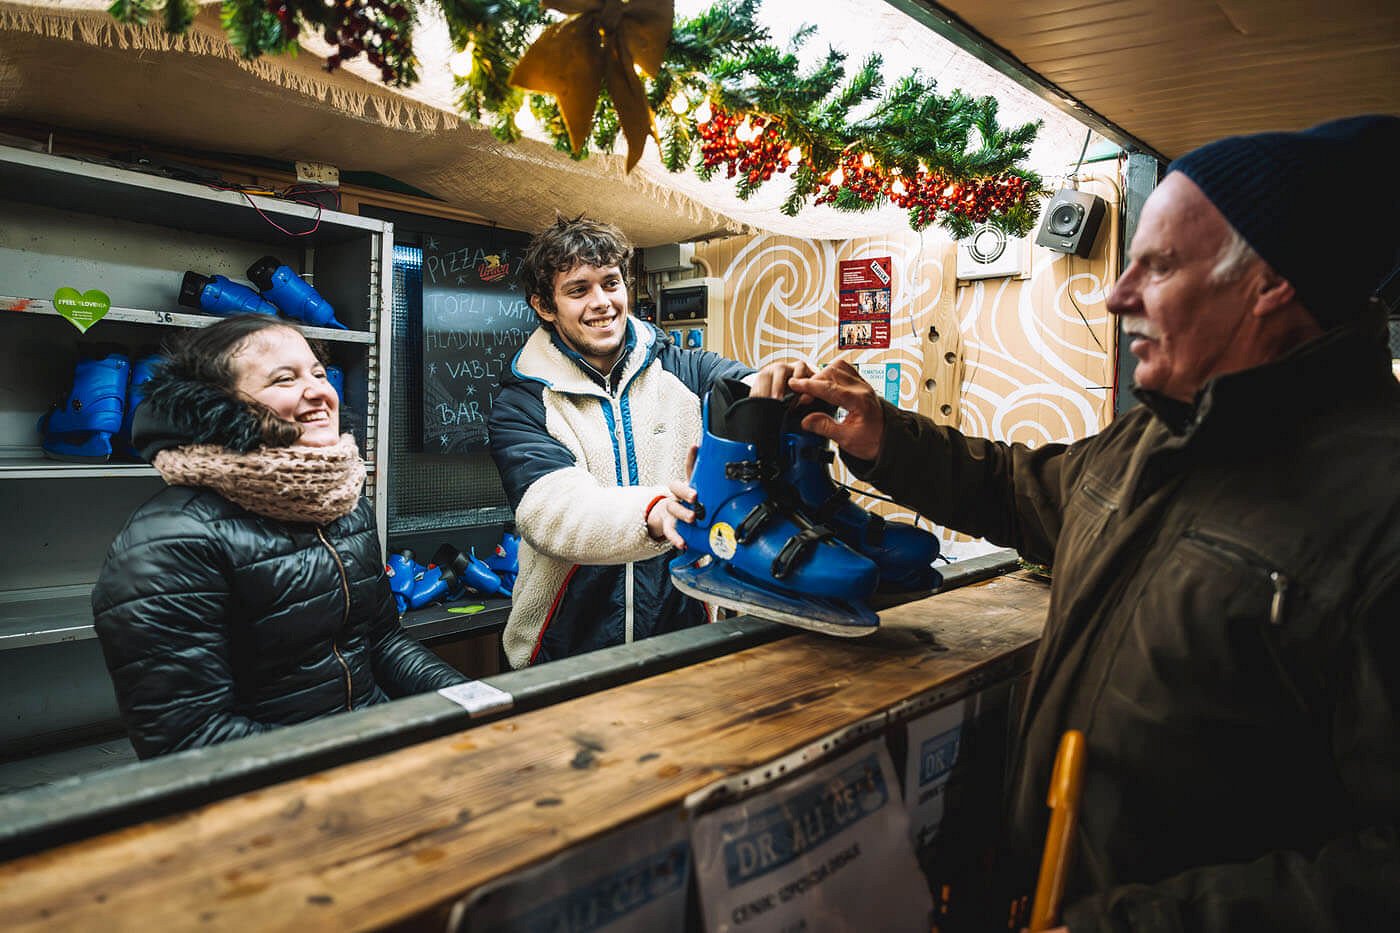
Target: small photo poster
pixel 863 313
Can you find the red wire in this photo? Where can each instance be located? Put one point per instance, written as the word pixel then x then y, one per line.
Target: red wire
pixel 316 226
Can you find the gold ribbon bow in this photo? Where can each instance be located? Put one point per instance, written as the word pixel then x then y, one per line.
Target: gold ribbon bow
pixel 599 44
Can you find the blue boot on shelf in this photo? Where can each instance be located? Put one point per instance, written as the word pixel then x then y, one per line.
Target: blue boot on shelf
pixel 505 562
pixel 142 368
pixel 80 430
pixel 217 294
pixel 336 377
pixel 467 572
pixel 413 585
pixel 401 569
pixel 292 294
pixel 430 585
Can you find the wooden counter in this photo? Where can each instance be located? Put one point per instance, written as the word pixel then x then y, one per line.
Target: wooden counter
pixel 367 844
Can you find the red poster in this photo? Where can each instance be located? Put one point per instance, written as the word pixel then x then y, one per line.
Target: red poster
pixel 864 313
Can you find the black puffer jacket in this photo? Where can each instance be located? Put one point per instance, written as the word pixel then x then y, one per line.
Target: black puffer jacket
pixel 218 623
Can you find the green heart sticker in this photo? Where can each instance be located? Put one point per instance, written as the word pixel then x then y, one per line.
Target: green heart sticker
pixel 82 310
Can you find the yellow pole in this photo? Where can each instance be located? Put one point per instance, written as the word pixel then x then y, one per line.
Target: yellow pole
pixel 1066 786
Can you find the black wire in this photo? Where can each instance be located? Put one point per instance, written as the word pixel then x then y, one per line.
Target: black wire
pixel 1083 149
pixel 875 495
pixel 863 492
pixel 1069 291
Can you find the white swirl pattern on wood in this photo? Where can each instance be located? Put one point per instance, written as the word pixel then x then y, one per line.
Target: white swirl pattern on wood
pixel 1031 362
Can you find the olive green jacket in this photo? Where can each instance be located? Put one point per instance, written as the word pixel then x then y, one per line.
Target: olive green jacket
pixel 1224 626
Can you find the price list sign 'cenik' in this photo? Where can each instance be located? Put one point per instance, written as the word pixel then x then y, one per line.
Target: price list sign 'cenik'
pixel 475 318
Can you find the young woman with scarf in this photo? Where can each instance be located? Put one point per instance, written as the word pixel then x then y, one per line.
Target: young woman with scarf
pixel 250 593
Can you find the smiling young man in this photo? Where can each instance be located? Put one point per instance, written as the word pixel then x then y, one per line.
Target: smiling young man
pixel 592 426
pixel 1224 622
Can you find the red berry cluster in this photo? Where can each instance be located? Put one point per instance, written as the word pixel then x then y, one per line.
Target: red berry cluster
pixel 374 27
pixel 934 193
pixel 756 159
pixel 867 182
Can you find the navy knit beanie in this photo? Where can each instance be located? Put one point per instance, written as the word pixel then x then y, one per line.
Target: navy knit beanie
pixel 1301 199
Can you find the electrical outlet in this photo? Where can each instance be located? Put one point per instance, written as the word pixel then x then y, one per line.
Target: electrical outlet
pixel 318 173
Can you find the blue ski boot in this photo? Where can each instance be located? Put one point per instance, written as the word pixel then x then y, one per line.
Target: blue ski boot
pixel 81 429
pixel 401 570
pixel 142 369
pixel 336 377
pixel 751 547
pixel 505 562
pixel 429 586
pixel 413 585
pixel 219 295
pixel 904 553
pixel 467 572
pixel 292 294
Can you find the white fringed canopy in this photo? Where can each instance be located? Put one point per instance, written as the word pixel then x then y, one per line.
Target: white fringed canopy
pixel 68 64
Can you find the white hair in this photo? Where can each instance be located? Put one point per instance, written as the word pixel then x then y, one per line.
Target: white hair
pixel 1235 256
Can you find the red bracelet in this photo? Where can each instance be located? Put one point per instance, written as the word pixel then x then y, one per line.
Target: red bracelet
pixel 646 513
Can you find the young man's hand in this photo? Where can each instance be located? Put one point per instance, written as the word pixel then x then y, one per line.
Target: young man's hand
pixel 663 516
pixel 861 431
pixel 773 380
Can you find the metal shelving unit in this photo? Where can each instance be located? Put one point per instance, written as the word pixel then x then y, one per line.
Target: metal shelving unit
pixel 28 464
pixel 173 319
pixel 92 225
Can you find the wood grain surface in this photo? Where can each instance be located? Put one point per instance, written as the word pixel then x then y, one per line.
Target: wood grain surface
pixel 368 844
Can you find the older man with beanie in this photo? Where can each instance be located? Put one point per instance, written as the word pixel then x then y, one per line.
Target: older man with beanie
pixel 1224 622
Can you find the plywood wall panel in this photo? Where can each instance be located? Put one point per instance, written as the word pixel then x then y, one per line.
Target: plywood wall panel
pixel 1008 359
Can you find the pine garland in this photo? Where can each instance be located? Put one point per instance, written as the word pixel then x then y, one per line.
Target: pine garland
pixel 725 98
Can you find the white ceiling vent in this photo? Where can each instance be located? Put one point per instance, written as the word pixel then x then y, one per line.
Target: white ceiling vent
pixel 989 253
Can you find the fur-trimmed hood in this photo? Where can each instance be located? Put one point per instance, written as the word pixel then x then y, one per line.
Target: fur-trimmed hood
pixel 178 411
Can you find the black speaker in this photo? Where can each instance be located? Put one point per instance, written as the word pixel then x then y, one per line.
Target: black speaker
pixel 1071 222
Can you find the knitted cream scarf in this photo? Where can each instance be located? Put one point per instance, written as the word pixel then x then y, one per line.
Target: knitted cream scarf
pixel 292 484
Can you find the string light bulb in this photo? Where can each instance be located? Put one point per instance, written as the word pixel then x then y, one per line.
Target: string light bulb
pixel 867 160
pixel 679 104
pixel 837 177
pixel 464 61
pixel 897 187
pixel 795 154
pixel 703 113
pixel 745 131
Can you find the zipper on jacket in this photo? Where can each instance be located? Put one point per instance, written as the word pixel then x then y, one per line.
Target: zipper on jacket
pixel 1098 498
pixel 623 457
pixel 344 621
pixel 1277 578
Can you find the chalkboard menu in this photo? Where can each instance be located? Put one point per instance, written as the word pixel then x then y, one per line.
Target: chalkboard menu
pixel 475 318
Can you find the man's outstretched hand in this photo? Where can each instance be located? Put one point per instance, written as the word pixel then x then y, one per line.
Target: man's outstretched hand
pixel 861 431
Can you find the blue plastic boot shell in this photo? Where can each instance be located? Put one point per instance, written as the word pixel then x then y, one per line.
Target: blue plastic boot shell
pixel 904 553
pixel 82 428
pixel 826 568
pixel 293 295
